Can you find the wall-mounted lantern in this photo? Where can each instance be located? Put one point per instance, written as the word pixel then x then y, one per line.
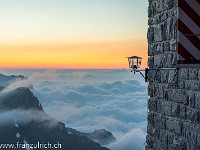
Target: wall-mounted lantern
pixel 135 63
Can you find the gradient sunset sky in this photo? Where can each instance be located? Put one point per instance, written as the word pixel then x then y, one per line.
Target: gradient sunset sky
pixel 93 34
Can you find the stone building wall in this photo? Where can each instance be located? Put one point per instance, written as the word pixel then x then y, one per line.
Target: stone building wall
pixel 174 103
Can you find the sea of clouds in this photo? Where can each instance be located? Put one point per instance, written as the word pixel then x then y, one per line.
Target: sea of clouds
pixel 115 100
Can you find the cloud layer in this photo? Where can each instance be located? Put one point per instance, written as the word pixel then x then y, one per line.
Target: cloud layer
pixel 94 99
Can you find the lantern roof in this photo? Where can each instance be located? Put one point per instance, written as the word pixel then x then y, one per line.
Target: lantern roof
pixel 135 57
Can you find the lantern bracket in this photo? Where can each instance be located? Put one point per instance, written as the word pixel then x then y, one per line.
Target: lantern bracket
pixel 145 76
pixel 140 71
pixel 135 63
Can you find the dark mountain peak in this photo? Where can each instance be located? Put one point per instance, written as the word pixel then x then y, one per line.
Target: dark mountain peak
pixel 20 98
pixel 41 128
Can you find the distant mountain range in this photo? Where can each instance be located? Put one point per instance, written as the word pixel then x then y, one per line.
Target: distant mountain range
pixel 6 80
pixel 30 124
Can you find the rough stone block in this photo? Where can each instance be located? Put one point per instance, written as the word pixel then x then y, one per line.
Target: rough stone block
pixel 183 73
pixel 150 75
pixel 181 84
pixel 158 61
pixel 173 125
pixel 169 4
pixel 149 141
pixel 182 111
pixel 151 62
pixel 178 96
pixel 175 110
pixel 173 76
pixel 166 108
pixel 154 132
pixel 174 60
pixel 166 47
pixel 164 30
pixel 169 28
pixel 163 136
pixel 198 141
pixel 150 90
pixel 190 126
pixel 160 49
pixel 197 100
pixel 150 118
pixel 196 127
pixel 169 60
pixel 157 19
pixel 164 16
pixel 150 35
pixel 150 21
pixel 193 73
pixel 164 76
pixel 152 10
pixel 152 103
pixel 191 140
pixel 154 75
pixel 152 49
pixel 179 143
pixel 173 46
pixel 157 76
pixel 192 100
pixel 159 121
pixel 158 91
pixel 187 126
pixel 158 33
pixel 158 145
pixel 170 137
pixel 192 85
pixel 198 74
pixel 192 114
pixel 158 106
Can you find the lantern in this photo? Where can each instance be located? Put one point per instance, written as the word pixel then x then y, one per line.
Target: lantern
pixel 134 62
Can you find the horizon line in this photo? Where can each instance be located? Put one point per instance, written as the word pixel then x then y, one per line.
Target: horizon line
pixel 63 68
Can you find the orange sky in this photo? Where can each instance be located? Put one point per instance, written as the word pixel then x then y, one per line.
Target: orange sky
pixel 72 34
pixel 106 55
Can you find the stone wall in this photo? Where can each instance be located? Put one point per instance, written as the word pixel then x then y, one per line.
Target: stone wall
pixel 174 103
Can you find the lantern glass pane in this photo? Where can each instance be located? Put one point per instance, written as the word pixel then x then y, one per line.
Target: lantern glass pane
pixel 129 59
pixel 132 63
pixel 139 62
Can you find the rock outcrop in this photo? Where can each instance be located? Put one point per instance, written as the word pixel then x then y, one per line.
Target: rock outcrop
pixel 35 126
pixel 101 136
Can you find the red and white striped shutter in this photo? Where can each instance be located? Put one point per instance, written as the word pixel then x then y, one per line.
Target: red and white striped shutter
pixel 188 31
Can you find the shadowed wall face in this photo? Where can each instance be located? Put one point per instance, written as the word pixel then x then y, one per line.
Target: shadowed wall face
pixel 174 103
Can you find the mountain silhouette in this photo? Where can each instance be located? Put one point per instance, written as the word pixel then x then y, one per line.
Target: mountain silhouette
pixel 26 122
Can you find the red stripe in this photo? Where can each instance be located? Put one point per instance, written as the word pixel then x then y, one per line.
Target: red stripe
pixel 189 11
pixel 198 1
pixel 184 53
pixel 185 30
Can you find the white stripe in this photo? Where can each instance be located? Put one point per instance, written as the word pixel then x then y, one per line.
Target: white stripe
pixel 194 5
pixel 189 22
pixel 189 46
pixel 179 57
